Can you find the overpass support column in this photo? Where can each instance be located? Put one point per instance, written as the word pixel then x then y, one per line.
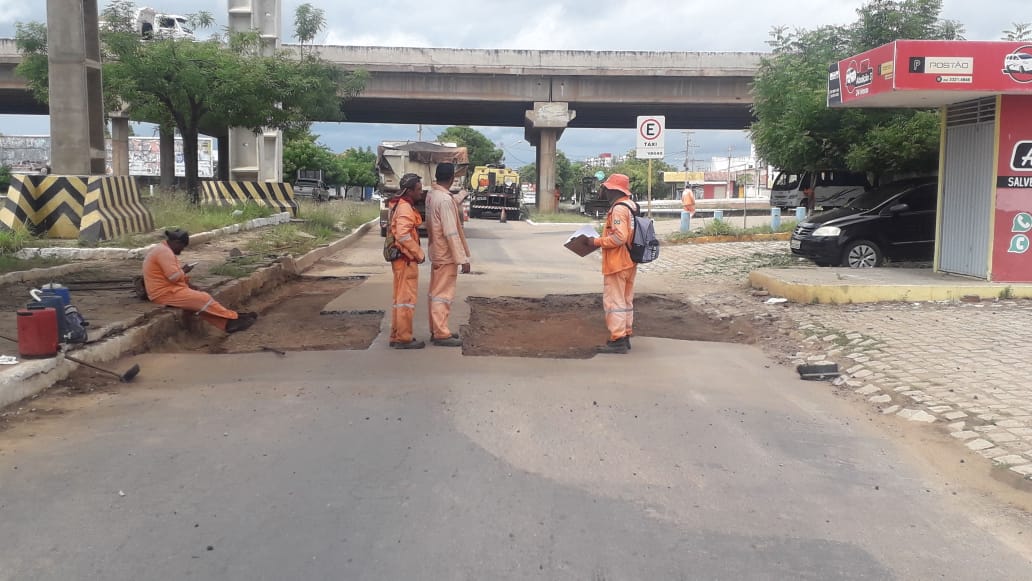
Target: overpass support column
pixel 76 95
pixel 256 157
pixel 119 145
pixel 544 125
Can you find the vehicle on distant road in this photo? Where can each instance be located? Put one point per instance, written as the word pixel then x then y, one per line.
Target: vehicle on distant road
pixel 832 188
pixel 310 184
pixel 495 188
pixel 592 202
pixel 397 158
pixel 895 221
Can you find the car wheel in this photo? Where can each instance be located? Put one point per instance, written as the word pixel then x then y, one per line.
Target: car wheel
pixel 862 254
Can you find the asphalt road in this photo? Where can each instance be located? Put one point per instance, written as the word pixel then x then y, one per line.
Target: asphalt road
pixel 680 460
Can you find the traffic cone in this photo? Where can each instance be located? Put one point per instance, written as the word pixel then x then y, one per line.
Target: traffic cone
pixel 501 217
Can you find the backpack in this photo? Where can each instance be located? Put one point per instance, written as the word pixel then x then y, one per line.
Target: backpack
pixel 643 245
pixel 390 250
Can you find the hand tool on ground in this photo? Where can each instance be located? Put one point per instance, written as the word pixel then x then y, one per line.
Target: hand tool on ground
pixel 124 377
pixel 274 350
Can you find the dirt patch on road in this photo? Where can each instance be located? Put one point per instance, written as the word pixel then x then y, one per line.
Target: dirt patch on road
pixel 291 319
pixel 571 326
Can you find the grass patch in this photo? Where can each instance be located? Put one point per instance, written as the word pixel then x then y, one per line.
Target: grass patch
pixel 12 241
pixel 9 263
pixel 725 228
pixel 238 267
pixel 340 216
pixel 174 210
pixel 734 265
pixel 560 217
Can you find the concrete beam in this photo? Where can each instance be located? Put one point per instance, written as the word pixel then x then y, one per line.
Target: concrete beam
pixel 76 94
pixel 544 125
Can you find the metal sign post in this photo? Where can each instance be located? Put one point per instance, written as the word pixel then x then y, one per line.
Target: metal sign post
pixel 651 144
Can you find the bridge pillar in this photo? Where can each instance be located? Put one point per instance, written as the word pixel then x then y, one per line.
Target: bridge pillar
pixel 256 157
pixel 76 94
pixel 119 145
pixel 544 125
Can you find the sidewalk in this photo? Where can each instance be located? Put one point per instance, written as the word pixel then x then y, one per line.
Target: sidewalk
pixel 961 366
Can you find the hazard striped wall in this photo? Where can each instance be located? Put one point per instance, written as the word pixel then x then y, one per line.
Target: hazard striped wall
pixel 88 208
pixel 276 195
pixel 46 205
pixel 113 209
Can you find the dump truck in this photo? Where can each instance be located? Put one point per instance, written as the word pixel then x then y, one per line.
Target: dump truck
pixel 397 158
pixel 495 189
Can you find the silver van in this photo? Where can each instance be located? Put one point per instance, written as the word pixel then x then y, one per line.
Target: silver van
pixel 833 188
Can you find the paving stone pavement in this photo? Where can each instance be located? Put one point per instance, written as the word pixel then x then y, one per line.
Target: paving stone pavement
pixel 963 367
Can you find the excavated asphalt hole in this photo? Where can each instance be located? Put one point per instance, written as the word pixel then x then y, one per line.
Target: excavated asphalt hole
pixel 292 319
pixel 571 326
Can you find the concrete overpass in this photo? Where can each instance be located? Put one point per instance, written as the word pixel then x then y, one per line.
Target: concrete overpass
pixel 544 91
pixel 441 86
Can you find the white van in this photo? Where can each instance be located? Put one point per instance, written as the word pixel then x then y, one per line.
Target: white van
pixel 833 188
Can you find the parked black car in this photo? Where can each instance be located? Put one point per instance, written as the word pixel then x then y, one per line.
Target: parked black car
pixel 895 221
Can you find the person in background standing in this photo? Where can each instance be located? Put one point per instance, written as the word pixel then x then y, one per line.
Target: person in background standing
pixel 448 252
pixel 404 225
pixel 618 270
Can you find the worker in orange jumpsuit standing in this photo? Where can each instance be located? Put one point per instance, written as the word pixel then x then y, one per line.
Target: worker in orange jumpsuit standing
pixel 448 252
pixel 618 270
pixel 404 225
pixel 166 283
pixel 688 206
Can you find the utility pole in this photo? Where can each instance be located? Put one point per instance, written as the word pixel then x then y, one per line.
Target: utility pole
pixel 419 133
pixel 730 182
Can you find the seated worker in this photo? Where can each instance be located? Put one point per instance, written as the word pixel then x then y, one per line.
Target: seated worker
pixel 166 284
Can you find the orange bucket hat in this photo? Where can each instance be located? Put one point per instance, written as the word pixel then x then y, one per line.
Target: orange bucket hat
pixel 618 181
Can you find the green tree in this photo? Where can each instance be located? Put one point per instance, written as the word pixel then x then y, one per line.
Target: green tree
pixel 359 167
pixel 1020 31
pixel 796 130
pixel 309 21
pixel 637 170
pixel 480 149
pixel 528 173
pixel 304 152
pixel 215 83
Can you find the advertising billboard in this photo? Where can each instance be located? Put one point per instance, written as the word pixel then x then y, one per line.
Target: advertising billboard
pixel 930 73
pixel 1012 257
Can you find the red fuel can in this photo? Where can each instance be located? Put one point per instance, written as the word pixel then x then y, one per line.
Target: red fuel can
pixel 37 332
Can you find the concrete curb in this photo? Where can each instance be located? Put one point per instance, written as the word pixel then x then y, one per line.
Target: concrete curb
pixel 135 253
pixel 30 377
pixel 850 291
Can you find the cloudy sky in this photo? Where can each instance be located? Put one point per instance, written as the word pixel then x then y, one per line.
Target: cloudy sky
pixel 682 25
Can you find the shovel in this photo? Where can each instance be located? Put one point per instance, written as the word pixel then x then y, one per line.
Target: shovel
pixel 124 377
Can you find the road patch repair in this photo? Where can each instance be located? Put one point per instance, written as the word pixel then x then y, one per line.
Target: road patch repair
pixel 571 326
pixel 292 318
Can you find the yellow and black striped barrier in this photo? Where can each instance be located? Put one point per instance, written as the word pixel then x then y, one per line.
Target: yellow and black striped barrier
pixel 49 205
pixel 276 195
pixel 112 209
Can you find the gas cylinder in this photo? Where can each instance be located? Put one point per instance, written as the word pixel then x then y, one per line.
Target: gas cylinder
pixel 37 332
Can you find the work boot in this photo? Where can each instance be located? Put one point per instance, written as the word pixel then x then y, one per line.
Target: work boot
pixel 413 344
pixel 627 341
pixel 447 342
pixel 240 324
pixel 618 346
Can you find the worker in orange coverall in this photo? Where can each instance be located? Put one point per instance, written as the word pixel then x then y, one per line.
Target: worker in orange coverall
pixel 404 225
pixel 448 254
pixel 167 283
pixel 618 270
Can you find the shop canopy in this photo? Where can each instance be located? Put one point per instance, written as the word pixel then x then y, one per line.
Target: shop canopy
pixel 930 73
